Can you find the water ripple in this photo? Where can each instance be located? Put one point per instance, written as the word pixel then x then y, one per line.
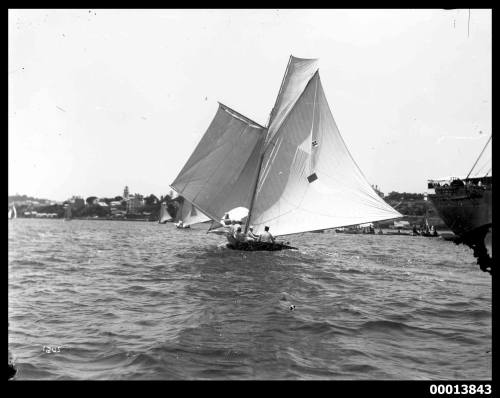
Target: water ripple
pixel 138 300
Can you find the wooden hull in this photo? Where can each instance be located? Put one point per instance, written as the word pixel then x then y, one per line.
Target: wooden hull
pixel 463 209
pixel 258 246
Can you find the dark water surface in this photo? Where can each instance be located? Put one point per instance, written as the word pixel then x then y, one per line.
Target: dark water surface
pixel 139 300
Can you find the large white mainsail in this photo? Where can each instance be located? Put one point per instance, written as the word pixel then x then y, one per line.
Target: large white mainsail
pixel 221 172
pixel 309 180
pixel 295 176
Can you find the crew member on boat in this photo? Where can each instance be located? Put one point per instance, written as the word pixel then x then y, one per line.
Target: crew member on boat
pixel 232 227
pixel 250 235
pixel 266 236
pixel 239 235
pixel 225 220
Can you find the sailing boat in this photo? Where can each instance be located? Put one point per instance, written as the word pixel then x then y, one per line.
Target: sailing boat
pixel 12 213
pixel 67 213
pixel 188 215
pixel 294 175
pixel 164 216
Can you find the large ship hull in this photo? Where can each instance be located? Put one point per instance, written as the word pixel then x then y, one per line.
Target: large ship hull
pixel 466 210
pixel 463 209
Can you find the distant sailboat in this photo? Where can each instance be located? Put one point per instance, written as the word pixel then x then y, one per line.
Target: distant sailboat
pixel 164 216
pixel 188 215
pixel 67 213
pixel 12 213
pixel 295 175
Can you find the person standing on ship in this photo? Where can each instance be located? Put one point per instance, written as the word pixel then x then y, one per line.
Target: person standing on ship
pixel 232 227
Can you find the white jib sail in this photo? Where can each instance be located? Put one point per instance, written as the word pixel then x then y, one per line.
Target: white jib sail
pixel 309 180
pixel 221 172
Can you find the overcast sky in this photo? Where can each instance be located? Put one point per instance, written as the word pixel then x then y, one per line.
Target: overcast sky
pixel 100 99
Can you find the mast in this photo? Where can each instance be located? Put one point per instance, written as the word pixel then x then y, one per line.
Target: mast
pixel 479 157
pixel 261 160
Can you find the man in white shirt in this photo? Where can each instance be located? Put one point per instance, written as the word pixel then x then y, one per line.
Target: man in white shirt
pixel 251 235
pixel 266 236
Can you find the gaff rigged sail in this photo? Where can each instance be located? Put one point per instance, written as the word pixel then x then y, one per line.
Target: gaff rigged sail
pixel 220 173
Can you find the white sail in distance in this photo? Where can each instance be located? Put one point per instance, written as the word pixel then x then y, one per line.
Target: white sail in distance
pixel 482 167
pixel 295 176
pixel 189 214
pixel 164 216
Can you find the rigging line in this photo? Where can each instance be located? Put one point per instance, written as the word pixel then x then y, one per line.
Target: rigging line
pixel 481 169
pixel 479 157
pixel 237 114
pixel 312 124
pixel 468 24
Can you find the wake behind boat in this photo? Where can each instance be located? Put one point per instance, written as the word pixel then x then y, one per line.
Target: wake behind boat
pixel 295 175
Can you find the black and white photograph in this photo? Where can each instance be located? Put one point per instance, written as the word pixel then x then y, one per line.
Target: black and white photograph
pixel 251 194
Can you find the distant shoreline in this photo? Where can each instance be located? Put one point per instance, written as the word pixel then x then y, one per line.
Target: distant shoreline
pixel 444 233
